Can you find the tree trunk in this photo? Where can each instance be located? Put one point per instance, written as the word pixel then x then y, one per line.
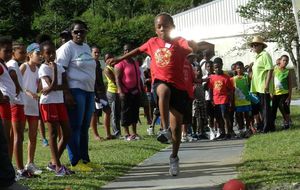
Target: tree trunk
pixel 295 59
pixel 298 63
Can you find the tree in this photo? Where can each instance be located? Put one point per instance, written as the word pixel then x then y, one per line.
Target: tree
pixel 276 23
pixel 16 17
pixel 56 15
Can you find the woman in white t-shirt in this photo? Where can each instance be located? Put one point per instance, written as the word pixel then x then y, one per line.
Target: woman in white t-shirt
pixel 75 56
pixel 29 71
pixel 53 109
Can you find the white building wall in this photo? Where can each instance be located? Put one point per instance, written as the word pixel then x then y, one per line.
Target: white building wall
pixel 219 23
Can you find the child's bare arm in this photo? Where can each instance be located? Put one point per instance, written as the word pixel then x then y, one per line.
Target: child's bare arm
pixel 48 89
pixel 115 60
pixel 14 77
pixel 110 75
pixel 118 76
pixel 68 97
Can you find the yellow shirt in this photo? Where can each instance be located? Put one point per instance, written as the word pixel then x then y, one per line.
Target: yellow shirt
pixel 111 86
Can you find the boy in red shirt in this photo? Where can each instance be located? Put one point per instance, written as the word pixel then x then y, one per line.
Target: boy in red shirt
pixel 167 57
pixel 221 92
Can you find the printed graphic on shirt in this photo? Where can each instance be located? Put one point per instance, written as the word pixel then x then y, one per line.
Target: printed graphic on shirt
pixel 218 85
pixel 277 83
pixel 84 57
pixel 162 57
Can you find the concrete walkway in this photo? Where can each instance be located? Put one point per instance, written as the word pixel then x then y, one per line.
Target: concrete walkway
pixel 295 102
pixel 204 165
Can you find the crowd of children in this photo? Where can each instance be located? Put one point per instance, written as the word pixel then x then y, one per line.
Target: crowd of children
pixel 189 97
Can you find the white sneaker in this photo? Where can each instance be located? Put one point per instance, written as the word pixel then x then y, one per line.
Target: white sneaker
pixel 174 166
pixel 212 135
pixel 184 139
pixel 217 134
pixel 190 138
pixel 33 168
pixel 164 136
pixel 150 131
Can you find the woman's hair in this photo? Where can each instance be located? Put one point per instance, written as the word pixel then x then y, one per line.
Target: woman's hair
pixel 167 15
pixel 78 22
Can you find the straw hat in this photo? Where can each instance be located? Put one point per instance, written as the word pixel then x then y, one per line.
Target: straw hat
pixel 258 40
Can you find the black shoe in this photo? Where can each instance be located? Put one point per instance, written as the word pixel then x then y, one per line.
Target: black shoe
pixel 227 137
pixel 286 127
pixel 202 137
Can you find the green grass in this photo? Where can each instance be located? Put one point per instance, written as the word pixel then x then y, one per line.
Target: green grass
pixel 116 157
pixel 273 160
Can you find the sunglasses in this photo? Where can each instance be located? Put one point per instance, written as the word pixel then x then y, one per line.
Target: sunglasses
pixel 79 31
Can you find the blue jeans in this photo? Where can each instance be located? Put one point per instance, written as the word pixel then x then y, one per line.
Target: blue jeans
pixel 80 118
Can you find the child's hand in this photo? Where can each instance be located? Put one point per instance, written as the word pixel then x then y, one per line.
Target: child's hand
pixel 32 95
pixel 52 64
pixel 112 61
pixel 46 91
pixel 288 100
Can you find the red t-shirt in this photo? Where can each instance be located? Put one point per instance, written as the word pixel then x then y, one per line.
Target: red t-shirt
pixel 188 77
pixel 221 87
pixel 167 59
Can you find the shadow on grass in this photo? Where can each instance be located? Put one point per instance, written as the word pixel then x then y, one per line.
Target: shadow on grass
pixel 265 172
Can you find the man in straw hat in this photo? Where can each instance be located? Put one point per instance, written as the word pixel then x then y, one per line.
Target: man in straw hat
pixel 261 83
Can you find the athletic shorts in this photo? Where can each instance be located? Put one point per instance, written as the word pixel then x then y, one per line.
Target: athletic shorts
pixel 54 112
pixel 178 99
pixel 17 113
pixel 243 108
pixel 220 110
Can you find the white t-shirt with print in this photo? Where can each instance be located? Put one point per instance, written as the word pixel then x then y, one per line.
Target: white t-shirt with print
pixel 79 63
pixel 13 65
pixel 7 86
pixel 56 96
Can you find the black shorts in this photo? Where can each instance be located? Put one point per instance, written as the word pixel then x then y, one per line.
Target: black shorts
pixel 130 109
pixel 221 110
pixel 178 98
pixel 187 116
